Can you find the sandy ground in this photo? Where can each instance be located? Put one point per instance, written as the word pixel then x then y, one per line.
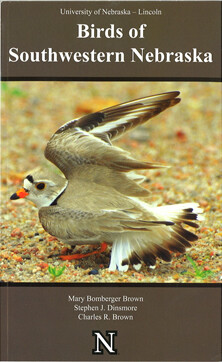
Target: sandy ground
pixel 187 137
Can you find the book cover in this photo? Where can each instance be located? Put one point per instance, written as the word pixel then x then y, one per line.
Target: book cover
pixel 110 246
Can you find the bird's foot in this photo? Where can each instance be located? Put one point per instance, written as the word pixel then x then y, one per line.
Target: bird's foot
pixel 103 247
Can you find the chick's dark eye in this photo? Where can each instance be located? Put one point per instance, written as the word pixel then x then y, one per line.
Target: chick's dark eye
pixel 40 186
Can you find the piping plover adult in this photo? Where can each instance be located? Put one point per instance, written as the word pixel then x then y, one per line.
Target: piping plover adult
pixel 100 198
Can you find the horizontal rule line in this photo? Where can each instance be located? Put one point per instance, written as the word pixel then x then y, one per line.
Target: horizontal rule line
pixel 111 285
pixel 119 79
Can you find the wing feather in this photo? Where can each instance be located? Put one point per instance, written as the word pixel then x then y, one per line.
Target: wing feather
pixel 87 139
pixel 69 224
pixel 116 120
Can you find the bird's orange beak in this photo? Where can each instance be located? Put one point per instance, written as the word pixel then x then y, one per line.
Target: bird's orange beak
pixel 20 194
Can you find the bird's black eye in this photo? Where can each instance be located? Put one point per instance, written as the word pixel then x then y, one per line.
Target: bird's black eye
pixel 40 185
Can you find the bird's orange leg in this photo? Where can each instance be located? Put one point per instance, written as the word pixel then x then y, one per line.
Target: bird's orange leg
pixel 103 247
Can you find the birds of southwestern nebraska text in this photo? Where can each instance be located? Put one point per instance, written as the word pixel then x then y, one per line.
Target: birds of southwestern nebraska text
pixel 99 199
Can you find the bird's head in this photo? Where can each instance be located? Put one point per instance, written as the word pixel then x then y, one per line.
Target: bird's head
pixel 42 188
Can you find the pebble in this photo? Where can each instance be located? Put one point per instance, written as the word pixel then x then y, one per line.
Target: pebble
pixel 93 272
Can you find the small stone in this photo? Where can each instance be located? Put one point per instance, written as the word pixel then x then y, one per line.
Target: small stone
pixel 16 232
pixel 93 272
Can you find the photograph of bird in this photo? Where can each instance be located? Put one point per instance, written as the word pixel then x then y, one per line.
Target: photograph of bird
pixel 99 197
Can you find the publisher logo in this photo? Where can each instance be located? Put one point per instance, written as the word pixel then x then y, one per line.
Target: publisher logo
pixel 102 342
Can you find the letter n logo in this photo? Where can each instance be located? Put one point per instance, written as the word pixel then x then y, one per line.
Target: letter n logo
pixel 108 344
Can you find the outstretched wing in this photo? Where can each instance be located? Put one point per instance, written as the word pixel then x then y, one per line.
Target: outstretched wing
pixel 134 239
pixel 73 225
pixel 112 122
pixel 87 139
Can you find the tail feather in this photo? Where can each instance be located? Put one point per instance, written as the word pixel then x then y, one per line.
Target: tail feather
pixel 156 242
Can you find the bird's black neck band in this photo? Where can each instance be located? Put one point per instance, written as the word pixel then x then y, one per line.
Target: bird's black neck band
pixel 56 199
